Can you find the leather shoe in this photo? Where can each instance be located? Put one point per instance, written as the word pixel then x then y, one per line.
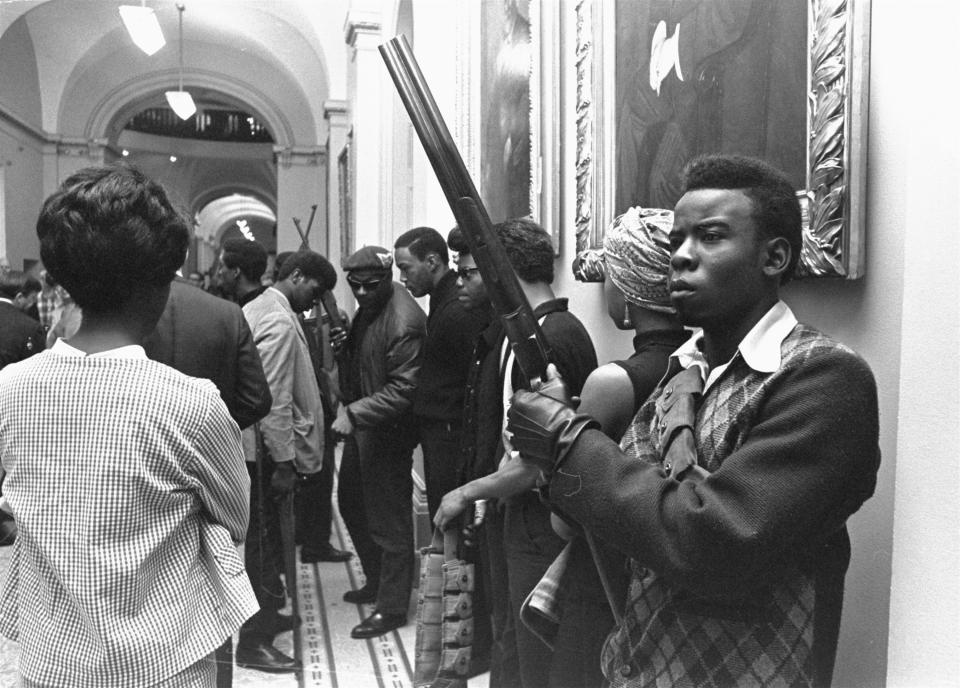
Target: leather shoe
pixel 365 595
pixel 330 553
pixel 262 656
pixel 378 624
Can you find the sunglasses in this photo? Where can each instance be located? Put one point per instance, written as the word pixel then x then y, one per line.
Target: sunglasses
pixel 369 285
pixel 464 273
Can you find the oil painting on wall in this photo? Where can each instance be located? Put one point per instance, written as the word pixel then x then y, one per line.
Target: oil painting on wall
pixel 662 82
pixel 505 108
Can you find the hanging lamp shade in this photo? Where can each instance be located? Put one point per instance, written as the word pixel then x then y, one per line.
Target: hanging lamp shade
pixel 180 101
pixel 144 29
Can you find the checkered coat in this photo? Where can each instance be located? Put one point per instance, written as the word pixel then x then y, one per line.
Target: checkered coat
pixel 130 493
pixel 738 576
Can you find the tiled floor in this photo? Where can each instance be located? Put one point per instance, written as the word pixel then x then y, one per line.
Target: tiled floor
pixel 331 658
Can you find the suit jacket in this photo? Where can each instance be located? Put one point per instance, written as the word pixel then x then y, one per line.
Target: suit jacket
pixel 293 429
pixel 204 336
pixel 20 335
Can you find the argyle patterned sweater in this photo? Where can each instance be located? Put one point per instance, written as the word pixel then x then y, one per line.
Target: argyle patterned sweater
pixel 737 577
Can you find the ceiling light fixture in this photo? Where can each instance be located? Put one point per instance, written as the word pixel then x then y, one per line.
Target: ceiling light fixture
pixel 143 27
pixel 180 101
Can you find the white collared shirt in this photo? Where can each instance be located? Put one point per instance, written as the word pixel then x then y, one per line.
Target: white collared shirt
pixel 133 351
pixel 760 348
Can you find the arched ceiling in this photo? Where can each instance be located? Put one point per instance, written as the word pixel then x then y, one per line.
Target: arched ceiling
pixel 217 221
pixel 282 59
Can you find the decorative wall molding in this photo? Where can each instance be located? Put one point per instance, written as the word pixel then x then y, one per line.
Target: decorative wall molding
pixel 81 148
pixel 359 24
pixel 333 109
pixel 23 126
pixel 307 156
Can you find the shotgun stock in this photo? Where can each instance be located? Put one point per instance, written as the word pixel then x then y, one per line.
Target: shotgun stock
pixel 503 287
pixel 329 302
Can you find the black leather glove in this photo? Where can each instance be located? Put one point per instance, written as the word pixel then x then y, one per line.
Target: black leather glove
pixel 543 425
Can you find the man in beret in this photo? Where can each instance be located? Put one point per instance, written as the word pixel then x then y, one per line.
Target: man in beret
pixel 375 419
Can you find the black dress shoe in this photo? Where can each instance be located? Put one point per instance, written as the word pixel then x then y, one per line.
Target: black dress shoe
pixel 378 624
pixel 262 656
pixel 329 554
pixel 365 595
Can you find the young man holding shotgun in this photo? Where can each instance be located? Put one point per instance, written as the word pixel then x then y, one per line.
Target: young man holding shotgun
pixel 731 489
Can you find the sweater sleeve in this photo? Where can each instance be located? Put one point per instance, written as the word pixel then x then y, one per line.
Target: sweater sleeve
pixel 808 462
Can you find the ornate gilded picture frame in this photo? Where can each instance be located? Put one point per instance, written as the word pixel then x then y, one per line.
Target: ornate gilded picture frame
pixel 784 80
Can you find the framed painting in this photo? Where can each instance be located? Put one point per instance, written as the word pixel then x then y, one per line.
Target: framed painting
pixel 505 63
pixel 659 83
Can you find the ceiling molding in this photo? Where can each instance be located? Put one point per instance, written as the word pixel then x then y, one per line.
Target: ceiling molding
pixel 128 98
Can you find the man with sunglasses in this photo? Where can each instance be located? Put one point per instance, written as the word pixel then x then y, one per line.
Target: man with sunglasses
pixel 382 353
pixel 517 543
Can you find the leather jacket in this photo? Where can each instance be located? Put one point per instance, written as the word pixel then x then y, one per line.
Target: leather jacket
pixel 389 363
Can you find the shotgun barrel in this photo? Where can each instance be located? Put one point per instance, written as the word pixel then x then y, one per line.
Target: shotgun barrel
pixel 509 302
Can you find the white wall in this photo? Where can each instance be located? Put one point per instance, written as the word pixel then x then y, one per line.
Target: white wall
pixel 924 603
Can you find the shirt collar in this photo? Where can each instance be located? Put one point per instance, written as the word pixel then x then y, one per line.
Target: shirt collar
pixel 131 351
pixel 760 349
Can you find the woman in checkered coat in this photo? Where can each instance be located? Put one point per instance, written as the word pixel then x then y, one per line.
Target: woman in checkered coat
pixel 126 477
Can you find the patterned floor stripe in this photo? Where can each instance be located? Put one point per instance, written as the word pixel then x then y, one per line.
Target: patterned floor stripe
pixel 332 659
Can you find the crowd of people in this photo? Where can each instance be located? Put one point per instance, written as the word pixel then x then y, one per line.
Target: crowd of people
pixel 675 517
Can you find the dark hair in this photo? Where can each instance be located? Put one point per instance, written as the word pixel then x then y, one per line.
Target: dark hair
pixel 776 209
pixel 106 232
pixel 247 255
pixel 31 285
pixel 423 240
pixel 278 262
pixel 311 264
pixel 529 249
pixel 11 283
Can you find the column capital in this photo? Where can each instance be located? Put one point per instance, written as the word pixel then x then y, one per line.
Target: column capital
pixel 335 111
pixel 299 156
pixel 79 148
pixel 359 24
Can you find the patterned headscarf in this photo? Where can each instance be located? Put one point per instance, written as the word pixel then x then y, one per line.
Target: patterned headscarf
pixel 636 251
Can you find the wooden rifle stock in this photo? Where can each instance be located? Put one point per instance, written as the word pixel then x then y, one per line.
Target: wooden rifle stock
pixel 329 302
pixel 503 287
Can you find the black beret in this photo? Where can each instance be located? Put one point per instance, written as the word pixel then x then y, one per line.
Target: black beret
pixel 374 258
